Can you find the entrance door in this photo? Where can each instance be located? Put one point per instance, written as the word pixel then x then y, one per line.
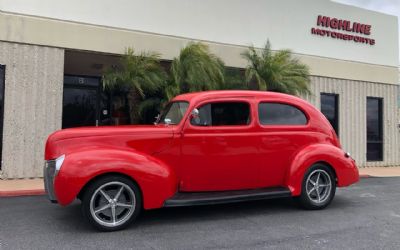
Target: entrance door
pixel 81 101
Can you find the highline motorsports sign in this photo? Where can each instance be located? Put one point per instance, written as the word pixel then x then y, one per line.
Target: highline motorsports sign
pixel 335 28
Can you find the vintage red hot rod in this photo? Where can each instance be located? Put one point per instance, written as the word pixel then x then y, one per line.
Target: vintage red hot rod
pixel 205 148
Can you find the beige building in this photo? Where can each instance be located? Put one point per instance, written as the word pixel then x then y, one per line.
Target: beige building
pixel 53 53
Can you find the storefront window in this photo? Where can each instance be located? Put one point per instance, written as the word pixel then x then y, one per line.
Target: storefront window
pixel 374 129
pixel 87 103
pixel 330 108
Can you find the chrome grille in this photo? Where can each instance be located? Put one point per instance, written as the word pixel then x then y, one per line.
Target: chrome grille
pixel 49 173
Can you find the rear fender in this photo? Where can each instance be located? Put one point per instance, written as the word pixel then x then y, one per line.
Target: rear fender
pixel 344 167
pixel 156 180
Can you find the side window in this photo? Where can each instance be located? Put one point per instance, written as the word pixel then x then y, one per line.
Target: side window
pixel 280 114
pixel 223 114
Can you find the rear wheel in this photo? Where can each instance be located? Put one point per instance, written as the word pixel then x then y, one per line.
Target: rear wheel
pixel 111 203
pixel 318 187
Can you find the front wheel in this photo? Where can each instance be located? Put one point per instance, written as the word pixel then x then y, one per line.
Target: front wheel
pixel 318 187
pixel 111 203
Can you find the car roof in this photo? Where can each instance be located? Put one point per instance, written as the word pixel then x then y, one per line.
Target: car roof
pixel 198 96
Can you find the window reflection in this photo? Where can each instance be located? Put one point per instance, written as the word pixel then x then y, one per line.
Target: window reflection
pixel 280 114
pixel 79 107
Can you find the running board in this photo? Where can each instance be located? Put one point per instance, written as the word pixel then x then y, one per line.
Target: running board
pixel 221 197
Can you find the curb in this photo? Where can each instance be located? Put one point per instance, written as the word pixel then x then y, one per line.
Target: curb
pixel 16 193
pixel 365 175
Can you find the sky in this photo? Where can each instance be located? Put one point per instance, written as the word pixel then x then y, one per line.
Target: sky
pixel 386 6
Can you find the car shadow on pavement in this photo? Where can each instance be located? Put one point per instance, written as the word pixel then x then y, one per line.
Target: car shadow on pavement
pixel 216 212
pixel 184 215
pixel 198 214
pixel 227 211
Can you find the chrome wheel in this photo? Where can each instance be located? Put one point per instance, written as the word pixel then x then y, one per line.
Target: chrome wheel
pixel 318 186
pixel 112 204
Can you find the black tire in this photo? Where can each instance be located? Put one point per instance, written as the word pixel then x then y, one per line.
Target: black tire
pixel 314 197
pixel 118 210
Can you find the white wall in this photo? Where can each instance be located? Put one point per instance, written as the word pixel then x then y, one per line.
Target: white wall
pixel 353 116
pixel 287 23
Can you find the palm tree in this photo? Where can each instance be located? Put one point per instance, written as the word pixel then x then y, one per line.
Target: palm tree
pixel 276 71
pixel 234 79
pixel 195 69
pixel 142 75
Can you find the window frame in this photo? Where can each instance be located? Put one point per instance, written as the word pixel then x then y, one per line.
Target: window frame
pixel 279 126
pixel 223 127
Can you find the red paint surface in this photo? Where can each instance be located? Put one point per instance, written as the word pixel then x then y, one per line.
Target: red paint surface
pixel 163 160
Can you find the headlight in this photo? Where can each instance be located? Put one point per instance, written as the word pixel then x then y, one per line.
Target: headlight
pixel 59 162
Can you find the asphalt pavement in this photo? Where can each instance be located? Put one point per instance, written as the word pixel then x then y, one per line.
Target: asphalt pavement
pixel 363 216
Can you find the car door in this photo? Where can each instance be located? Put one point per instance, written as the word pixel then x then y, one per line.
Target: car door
pixel 218 148
pixel 283 132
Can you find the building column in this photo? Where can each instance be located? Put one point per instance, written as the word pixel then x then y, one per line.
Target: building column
pixel 32 106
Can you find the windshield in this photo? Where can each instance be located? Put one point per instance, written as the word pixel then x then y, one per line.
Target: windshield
pixel 173 113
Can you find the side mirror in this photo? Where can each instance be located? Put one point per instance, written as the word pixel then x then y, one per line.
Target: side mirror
pixel 167 121
pixel 194 114
pixel 194 117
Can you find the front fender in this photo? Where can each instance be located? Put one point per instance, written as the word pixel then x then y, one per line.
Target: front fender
pixel 345 168
pixel 156 180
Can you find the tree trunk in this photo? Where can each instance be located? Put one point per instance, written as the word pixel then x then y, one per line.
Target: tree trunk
pixel 134 101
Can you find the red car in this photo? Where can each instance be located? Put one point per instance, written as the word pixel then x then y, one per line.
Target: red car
pixel 206 148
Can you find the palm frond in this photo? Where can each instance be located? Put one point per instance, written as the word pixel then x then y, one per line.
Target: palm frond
pixel 276 71
pixel 142 75
pixel 196 69
pixel 149 104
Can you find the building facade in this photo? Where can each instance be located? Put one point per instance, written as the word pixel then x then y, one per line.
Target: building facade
pixel 52 55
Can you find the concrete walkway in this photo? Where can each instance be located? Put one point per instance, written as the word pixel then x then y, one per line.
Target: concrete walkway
pixel 380 171
pixel 22 187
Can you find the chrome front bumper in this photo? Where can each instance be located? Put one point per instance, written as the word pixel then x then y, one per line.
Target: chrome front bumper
pixel 49 174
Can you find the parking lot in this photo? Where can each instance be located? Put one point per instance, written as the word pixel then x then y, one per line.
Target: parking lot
pixel 364 216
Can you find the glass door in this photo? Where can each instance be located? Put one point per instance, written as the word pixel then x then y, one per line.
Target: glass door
pixel 81 101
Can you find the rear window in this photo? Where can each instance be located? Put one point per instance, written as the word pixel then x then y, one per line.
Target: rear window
pixel 280 114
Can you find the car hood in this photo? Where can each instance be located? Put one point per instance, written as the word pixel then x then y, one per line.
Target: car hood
pixel 82 132
pixel 145 138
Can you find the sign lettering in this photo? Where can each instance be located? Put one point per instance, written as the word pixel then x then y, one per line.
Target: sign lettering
pixel 334 27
